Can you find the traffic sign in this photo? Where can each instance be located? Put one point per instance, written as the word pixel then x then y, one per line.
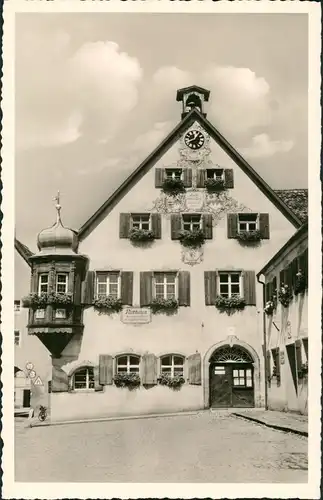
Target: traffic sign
pixel 38 381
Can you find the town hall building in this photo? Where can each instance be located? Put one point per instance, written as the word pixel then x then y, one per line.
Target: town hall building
pixel 153 306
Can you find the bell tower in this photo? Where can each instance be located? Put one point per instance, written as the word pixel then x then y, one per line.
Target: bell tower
pixel 192 97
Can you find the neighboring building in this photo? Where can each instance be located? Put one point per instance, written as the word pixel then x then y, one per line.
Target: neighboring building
pixel 32 360
pixel 199 259
pixel 286 327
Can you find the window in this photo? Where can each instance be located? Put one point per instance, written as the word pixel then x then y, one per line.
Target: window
pixel 192 222
pixel 248 222
pixel 61 283
pixel 17 338
pixel 242 377
pixel 172 365
pixel 83 378
pixel 108 284
pixel 128 364
pixel 215 173
pixel 17 306
pixel 165 285
pixel 230 284
pixel 140 221
pixel 173 173
pixel 43 283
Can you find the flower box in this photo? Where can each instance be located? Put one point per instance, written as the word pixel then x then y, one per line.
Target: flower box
pixel 249 236
pixel 300 283
pixel 173 187
pixel 229 304
pixel 285 295
pixel 192 239
pixel 60 298
pixel 141 235
pixel 269 308
pixel 303 371
pixel 166 305
pixel 35 301
pixel 107 303
pixel 175 382
pixel 129 380
pixel 214 185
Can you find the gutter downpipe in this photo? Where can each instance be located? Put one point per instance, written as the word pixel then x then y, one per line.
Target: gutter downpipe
pixel 264 340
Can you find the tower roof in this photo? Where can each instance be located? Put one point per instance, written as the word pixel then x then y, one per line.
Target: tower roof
pixel 192 88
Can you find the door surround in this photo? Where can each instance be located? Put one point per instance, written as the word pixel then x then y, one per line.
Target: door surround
pixel 231 341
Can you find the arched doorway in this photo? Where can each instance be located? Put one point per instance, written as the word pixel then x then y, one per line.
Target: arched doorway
pixel 231 378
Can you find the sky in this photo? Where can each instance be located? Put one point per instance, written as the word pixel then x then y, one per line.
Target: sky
pixel 96 93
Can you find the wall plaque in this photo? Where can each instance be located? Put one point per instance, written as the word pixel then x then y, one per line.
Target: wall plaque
pixel 136 315
pixel 194 201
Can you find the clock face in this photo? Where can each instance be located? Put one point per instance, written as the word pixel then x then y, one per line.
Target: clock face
pixel 194 139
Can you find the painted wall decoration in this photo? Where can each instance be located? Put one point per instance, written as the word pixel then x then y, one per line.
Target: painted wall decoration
pixel 192 256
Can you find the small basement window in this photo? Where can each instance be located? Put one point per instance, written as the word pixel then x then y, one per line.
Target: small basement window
pixel 83 378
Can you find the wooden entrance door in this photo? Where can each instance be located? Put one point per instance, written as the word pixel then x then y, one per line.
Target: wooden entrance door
pixel 231 385
pixel 26 398
pixel 220 386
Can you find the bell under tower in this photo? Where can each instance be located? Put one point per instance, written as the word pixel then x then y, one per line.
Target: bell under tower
pixel 192 97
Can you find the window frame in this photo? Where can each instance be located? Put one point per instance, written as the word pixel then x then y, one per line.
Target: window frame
pixel 173 172
pixel 248 230
pixel 244 377
pixel 141 222
pixel 214 176
pixel 172 366
pixel 165 274
pixel 87 382
pixel 40 275
pixel 128 365
pixel 17 344
pixel 17 306
pixel 229 273
pixel 107 275
pixel 57 283
pixel 192 223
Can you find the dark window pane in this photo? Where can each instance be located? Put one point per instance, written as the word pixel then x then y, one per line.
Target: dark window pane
pixel 235 278
pixel 178 360
pixel 122 360
pixel 223 278
pixel 134 360
pixel 166 360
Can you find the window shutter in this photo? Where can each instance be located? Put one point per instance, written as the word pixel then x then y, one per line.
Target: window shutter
pixel 268 368
pixel 156 225
pixel 303 264
pixel 249 286
pixel 207 226
pixel 200 178
pixel 277 355
pixel 184 291
pixel 127 288
pixel 232 225
pixel 176 226
pixel 228 178
pixel 149 369
pixel 267 292
pixel 105 369
pixel 88 288
pixel 187 177
pixel 294 267
pixel 97 385
pixel 264 226
pixel 210 285
pixel 59 380
pixel 274 288
pixel 146 288
pixel 124 227
pixel 194 369
pixel 298 348
pixel 289 275
pixel 159 177
pixel 281 278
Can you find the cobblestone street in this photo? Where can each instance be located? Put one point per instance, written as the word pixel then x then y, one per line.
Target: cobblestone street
pixel 204 447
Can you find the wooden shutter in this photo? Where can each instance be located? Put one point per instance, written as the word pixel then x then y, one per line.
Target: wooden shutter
pixel 210 287
pixel 146 288
pixel 274 288
pixel 97 385
pixel 303 264
pixel 176 226
pixel 149 369
pixel 59 380
pixel 200 178
pixel 156 225
pixel 159 177
pixel 88 288
pixel 124 226
pixel 305 344
pixel 127 287
pixel 194 369
pixel 232 222
pixel 289 275
pixel 249 286
pixel 184 289
pixel 105 369
pixel 228 178
pixel 277 357
pixel 187 177
pixel 264 226
pixel 295 267
pixel 298 350
pixel 267 292
pixel 207 222
pixel 281 278
pixel 268 368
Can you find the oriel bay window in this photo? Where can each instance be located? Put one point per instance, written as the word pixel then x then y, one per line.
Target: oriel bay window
pixel 43 283
pixel 61 283
pixel 127 364
pixel 108 284
pixel 165 286
pixel 172 365
pixel 83 378
pixel 230 284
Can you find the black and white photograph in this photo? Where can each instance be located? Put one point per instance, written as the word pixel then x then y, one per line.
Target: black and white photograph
pixel 163 319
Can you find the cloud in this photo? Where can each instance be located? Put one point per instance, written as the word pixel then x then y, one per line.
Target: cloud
pixel 263 147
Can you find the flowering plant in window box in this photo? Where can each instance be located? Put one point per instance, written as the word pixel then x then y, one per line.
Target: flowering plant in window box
pixel 175 382
pixel 35 301
pixel 300 284
pixel 107 303
pixel 303 371
pixel 59 298
pixel 285 295
pixel 192 239
pixel 275 375
pixel 173 187
pixel 129 380
pixel 249 236
pixel 230 304
pixel 141 235
pixel 214 185
pixel 163 305
pixel 269 307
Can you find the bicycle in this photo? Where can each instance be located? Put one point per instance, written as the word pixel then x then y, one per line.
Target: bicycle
pixel 42 413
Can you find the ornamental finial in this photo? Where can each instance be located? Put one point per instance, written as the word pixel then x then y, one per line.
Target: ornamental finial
pixel 58 207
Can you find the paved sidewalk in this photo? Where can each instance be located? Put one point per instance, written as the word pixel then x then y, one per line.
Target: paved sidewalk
pixel 284 421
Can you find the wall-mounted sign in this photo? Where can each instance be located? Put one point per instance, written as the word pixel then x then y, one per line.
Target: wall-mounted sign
pixel 192 256
pixel 40 313
pixel 136 315
pixel 60 313
pixel 194 201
